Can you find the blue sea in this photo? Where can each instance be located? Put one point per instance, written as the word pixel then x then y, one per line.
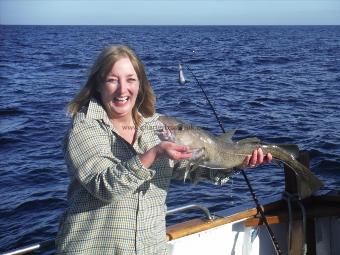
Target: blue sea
pixel 278 83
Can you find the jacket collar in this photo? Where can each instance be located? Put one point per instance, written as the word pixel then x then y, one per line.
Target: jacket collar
pixel 96 111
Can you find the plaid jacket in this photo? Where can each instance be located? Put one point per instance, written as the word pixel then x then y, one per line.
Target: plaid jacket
pixel 116 205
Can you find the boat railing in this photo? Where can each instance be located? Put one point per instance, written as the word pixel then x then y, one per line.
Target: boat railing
pixel 31 248
pixel 191 207
pixel 51 242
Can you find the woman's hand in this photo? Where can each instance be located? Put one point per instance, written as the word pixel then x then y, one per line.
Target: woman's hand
pixel 172 150
pixel 257 158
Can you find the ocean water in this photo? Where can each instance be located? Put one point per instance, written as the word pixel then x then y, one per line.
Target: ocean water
pixel 278 83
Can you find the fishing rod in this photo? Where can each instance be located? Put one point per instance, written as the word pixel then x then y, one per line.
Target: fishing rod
pixel 182 81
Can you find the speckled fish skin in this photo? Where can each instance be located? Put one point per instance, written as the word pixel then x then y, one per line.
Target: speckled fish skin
pixel 222 152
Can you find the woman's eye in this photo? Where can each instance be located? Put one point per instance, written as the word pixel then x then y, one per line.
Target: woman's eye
pixel 131 80
pixel 111 81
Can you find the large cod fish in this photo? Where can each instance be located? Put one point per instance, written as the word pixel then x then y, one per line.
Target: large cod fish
pixel 221 152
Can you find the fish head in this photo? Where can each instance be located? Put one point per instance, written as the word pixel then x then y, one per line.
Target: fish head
pixel 185 134
pixel 165 134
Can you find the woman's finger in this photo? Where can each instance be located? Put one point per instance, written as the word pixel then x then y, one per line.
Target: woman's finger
pixel 268 158
pixel 253 159
pixel 259 156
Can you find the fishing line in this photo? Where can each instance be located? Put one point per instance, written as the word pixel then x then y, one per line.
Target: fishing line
pixel 182 80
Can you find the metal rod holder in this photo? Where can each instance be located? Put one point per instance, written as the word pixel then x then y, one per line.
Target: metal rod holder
pixel 192 207
pixel 31 248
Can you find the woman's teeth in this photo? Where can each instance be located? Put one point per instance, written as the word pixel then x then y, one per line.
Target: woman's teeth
pixel 121 99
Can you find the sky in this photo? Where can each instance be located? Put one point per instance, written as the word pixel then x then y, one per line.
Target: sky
pixel 170 12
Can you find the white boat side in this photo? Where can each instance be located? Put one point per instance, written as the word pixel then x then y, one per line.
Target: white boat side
pixel 239 231
pixel 243 233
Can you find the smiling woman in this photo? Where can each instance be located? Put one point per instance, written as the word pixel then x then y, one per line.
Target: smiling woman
pixel 119 176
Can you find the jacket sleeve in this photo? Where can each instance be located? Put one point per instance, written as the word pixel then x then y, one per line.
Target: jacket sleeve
pixel 90 160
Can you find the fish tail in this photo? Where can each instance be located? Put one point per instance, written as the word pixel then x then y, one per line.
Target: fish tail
pixel 307 181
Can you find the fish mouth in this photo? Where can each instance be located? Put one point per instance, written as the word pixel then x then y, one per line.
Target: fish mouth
pixel 165 134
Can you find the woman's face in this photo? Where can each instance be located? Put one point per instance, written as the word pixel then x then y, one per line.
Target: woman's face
pixel 120 89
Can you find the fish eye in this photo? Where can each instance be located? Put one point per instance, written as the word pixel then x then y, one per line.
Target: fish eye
pixel 180 127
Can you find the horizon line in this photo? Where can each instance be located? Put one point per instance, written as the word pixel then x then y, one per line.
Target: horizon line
pixel 170 24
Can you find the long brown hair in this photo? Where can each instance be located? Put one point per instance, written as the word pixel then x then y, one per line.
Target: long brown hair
pixel 145 102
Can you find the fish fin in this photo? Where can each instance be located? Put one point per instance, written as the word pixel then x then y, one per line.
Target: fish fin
pixel 186 173
pixel 197 158
pixel 189 169
pixel 196 175
pixel 306 189
pixel 292 149
pixel 252 140
pixel 307 182
pixel 227 136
